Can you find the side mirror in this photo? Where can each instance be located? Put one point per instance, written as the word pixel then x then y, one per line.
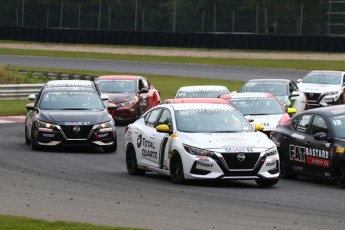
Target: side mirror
pixel 30 106
pixel 291 110
pixel 163 128
pixel 143 90
pixel 32 97
pixel 295 93
pixel 321 136
pixel 111 106
pixel 259 127
pixel 104 97
pixel 249 118
pixel 299 80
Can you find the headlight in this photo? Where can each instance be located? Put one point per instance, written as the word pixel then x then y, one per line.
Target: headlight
pixel 106 125
pixel 197 151
pixel 271 152
pixel 126 103
pixel 45 125
pixel 332 93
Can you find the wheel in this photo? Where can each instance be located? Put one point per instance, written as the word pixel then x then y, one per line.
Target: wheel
pixel 27 140
pixel 339 173
pixel 111 148
pixel 285 170
pixel 131 163
pixel 34 145
pixel 176 169
pixel 267 182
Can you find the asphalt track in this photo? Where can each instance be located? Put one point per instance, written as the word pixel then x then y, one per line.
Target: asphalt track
pixel 169 69
pixel 86 185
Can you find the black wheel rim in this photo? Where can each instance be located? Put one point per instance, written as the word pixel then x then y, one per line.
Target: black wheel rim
pixel 176 170
pixel 130 161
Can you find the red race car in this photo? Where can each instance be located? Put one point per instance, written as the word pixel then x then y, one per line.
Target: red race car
pixel 131 95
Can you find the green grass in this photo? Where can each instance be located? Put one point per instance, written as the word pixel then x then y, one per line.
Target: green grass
pixel 260 63
pixel 21 223
pixel 167 86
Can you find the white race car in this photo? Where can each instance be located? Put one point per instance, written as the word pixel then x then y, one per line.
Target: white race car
pixel 262 108
pixel 200 141
pixel 323 88
pixel 201 91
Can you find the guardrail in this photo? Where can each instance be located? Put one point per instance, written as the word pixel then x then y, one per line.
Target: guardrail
pixel 18 91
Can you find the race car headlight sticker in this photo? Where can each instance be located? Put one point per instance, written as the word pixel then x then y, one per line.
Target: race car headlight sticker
pixel 197 151
pixel 126 103
pixel 45 125
pixel 332 93
pixel 271 152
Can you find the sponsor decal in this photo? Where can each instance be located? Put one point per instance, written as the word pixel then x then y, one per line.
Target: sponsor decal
pixel 74 123
pixel 340 150
pixel 204 166
pixel 298 136
pixel 139 140
pixel 48 135
pixel 297 153
pixel 236 150
pixel 148 147
pixel 103 135
pixel 299 168
pixel 338 111
pixel 324 154
pixel 270 164
pixel 202 158
pixel 149 153
pixel 318 162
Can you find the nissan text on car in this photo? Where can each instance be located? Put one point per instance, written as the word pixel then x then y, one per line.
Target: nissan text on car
pixel 201 91
pixel 201 142
pixel 69 116
pixel 260 108
pixel 131 95
pixel 313 143
pixel 323 88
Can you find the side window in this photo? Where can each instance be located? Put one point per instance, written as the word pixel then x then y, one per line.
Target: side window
pixel 302 123
pixel 165 119
pixel 145 83
pixel 293 86
pixel 152 117
pixel 319 125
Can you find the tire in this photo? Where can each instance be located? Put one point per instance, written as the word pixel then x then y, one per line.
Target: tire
pixel 34 145
pixel 266 182
pixel 131 163
pixel 339 173
pixel 27 140
pixel 285 170
pixel 176 169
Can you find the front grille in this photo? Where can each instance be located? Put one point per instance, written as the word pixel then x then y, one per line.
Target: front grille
pixel 234 164
pixel 71 134
pixel 312 96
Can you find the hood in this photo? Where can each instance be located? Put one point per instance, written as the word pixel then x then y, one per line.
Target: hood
pixel 226 142
pixel 120 97
pixel 84 117
pixel 270 122
pixel 317 88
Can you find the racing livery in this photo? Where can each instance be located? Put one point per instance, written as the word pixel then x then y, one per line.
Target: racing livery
pixel 201 91
pixel 200 141
pixel 313 142
pixel 260 108
pixel 285 90
pixel 323 88
pixel 131 95
pixel 63 116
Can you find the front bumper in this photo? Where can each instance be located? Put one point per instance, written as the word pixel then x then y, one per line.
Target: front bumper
pixel 123 114
pixel 315 100
pixel 224 166
pixel 88 136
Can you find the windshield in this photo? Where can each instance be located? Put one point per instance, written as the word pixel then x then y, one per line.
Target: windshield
pixel 116 86
pixel 338 125
pixel 211 121
pixel 257 106
pixel 323 78
pixel 201 93
pixel 71 100
pixel 275 88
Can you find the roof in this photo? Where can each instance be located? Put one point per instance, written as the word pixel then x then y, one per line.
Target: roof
pixel 246 95
pixel 117 77
pixel 328 110
pixel 195 100
pixel 69 88
pixel 203 87
pixel 186 106
pixel 269 80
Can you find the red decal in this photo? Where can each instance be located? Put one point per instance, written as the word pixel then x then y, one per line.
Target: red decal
pixel 317 161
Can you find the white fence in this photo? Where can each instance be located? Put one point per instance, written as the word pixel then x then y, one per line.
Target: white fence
pixel 18 91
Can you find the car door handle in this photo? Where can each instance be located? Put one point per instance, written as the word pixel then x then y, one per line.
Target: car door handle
pixel 307 143
pixel 287 138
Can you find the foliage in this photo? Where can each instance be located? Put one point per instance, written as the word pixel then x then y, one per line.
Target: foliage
pixel 9 75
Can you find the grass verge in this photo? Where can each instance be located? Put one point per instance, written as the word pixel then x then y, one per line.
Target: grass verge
pixel 19 223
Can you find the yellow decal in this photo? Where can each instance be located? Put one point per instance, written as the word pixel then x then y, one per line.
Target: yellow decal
pixel 173 136
pixel 340 150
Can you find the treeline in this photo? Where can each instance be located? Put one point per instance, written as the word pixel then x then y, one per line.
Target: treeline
pixel 302 17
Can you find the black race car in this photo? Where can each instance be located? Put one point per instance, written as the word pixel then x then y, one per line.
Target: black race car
pixel 313 142
pixel 69 116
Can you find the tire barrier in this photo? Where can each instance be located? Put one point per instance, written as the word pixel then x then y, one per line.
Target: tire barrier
pixel 169 39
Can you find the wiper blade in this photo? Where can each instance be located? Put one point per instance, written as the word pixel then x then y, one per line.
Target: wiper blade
pixel 75 109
